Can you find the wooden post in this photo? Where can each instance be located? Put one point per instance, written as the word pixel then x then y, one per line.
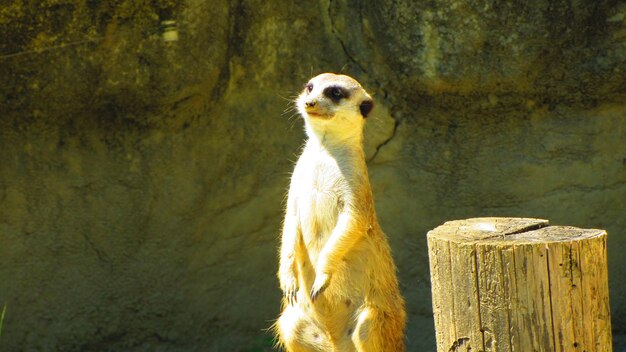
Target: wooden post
pixel 519 285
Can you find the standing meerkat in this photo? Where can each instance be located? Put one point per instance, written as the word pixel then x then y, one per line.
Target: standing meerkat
pixel 336 271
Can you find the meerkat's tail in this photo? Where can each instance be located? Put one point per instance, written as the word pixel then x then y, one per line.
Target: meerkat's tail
pixel 377 330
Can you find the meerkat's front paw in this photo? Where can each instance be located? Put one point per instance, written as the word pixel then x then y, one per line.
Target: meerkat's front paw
pixel 289 286
pixel 322 280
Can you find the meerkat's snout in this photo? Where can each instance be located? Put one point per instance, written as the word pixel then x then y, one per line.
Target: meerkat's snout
pixel 310 100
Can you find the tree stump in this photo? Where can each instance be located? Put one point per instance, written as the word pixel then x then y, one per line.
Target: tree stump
pixel 511 284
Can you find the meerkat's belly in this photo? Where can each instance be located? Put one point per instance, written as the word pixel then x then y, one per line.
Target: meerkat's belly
pixel 319 199
pixel 318 217
pixel 320 204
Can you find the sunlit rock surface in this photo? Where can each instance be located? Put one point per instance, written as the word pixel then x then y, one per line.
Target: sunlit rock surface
pixel 142 178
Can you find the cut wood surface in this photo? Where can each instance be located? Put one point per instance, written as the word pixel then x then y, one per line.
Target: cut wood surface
pixel 516 284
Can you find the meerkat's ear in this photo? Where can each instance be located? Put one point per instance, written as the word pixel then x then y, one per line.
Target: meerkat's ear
pixel 365 107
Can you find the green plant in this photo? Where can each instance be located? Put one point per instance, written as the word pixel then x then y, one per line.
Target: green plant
pixel 4 310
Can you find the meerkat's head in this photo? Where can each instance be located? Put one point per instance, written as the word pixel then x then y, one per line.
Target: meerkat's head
pixel 334 107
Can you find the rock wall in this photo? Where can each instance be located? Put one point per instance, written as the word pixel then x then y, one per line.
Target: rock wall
pixel 142 181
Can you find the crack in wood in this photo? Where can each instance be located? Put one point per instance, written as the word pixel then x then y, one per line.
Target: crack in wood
pixel 458 344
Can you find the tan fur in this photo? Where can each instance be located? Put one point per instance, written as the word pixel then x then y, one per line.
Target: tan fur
pixel 336 269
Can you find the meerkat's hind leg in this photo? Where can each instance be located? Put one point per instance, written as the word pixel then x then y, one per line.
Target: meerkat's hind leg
pixel 376 331
pixel 297 333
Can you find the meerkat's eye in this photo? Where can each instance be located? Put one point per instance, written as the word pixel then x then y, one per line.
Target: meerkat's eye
pixel 309 87
pixel 335 93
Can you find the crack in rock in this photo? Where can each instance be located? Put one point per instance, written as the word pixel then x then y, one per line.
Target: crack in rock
pixel 396 123
pixel 336 34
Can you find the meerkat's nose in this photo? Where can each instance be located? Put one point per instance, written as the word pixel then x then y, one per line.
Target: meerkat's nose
pixel 310 103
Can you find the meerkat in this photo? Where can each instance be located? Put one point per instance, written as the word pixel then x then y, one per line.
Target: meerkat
pixel 336 271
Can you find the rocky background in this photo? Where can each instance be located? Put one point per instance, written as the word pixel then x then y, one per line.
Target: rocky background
pixel 142 180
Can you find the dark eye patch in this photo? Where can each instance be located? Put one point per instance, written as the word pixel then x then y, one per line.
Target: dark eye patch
pixel 335 93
